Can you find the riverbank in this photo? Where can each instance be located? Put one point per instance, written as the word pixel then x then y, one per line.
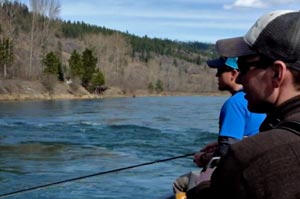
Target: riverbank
pixel 22 97
pixel 17 90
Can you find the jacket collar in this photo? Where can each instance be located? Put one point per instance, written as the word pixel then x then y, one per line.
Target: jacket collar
pixel 281 113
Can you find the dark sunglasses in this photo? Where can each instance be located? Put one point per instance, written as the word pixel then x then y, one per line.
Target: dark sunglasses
pixel 244 66
pixel 223 70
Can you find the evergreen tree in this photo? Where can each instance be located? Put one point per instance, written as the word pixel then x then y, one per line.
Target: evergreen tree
pixel 75 64
pixel 6 54
pixel 159 86
pixel 89 63
pixel 53 65
pixel 97 80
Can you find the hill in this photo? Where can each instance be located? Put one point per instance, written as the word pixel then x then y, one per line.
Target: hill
pixel 38 49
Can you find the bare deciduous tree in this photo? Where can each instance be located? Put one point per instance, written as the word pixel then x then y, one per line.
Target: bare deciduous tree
pixel 43 13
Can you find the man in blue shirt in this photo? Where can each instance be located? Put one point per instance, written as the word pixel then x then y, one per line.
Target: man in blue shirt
pixel 235 120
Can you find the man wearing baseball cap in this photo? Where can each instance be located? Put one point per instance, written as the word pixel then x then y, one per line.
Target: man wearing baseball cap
pixel 266 165
pixel 234 108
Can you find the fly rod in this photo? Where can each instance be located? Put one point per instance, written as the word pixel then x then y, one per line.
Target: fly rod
pixel 91 175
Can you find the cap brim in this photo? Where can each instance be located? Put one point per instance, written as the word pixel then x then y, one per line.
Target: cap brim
pixel 216 63
pixel 233 47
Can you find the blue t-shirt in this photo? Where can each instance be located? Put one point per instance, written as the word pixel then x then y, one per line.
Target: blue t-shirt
pixel 236 121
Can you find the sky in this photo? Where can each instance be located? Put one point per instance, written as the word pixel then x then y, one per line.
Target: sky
pixel 181 20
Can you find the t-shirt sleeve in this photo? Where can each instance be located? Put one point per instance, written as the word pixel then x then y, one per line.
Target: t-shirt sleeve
pixel 232 119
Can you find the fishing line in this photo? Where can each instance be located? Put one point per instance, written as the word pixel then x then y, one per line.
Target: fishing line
pixel 91 175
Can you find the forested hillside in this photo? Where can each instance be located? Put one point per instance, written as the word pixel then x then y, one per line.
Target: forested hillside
pixel 37 46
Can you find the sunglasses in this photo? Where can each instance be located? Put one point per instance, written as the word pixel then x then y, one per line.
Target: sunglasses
pixel 223 70
pixel 263 63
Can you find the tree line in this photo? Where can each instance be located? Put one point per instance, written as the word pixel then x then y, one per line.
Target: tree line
pixel 144 48
pixel 31 45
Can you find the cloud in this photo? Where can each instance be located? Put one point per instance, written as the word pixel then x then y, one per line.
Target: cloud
pixel 258 3
pixel 247 4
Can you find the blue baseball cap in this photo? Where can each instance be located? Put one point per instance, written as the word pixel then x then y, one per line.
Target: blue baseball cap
pixel 230 62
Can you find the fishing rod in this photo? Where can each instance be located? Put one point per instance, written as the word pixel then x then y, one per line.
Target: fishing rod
pixel 91 175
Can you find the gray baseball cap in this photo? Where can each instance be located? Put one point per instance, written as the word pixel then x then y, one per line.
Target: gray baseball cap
pixel 276 35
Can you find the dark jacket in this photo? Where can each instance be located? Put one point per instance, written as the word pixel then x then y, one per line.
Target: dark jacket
pixel 264 166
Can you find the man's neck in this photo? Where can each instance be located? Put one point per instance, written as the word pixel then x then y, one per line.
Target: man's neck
pixel 235 88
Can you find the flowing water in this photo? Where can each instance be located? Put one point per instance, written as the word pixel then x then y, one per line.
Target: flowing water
pixel 43 142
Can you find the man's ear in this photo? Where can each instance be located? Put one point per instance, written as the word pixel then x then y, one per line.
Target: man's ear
pixel 279 70
pixel 235 74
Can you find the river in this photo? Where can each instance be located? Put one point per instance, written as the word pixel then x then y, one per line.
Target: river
pixel 42 142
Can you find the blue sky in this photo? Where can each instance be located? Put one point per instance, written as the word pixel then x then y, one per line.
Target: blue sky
pixel 182 20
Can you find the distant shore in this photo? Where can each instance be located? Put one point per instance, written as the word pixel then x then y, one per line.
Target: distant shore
pixel 23 97
pixel 19 90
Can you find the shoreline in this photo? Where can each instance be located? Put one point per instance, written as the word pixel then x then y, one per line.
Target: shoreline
pixel 28 97
pixel 21 90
